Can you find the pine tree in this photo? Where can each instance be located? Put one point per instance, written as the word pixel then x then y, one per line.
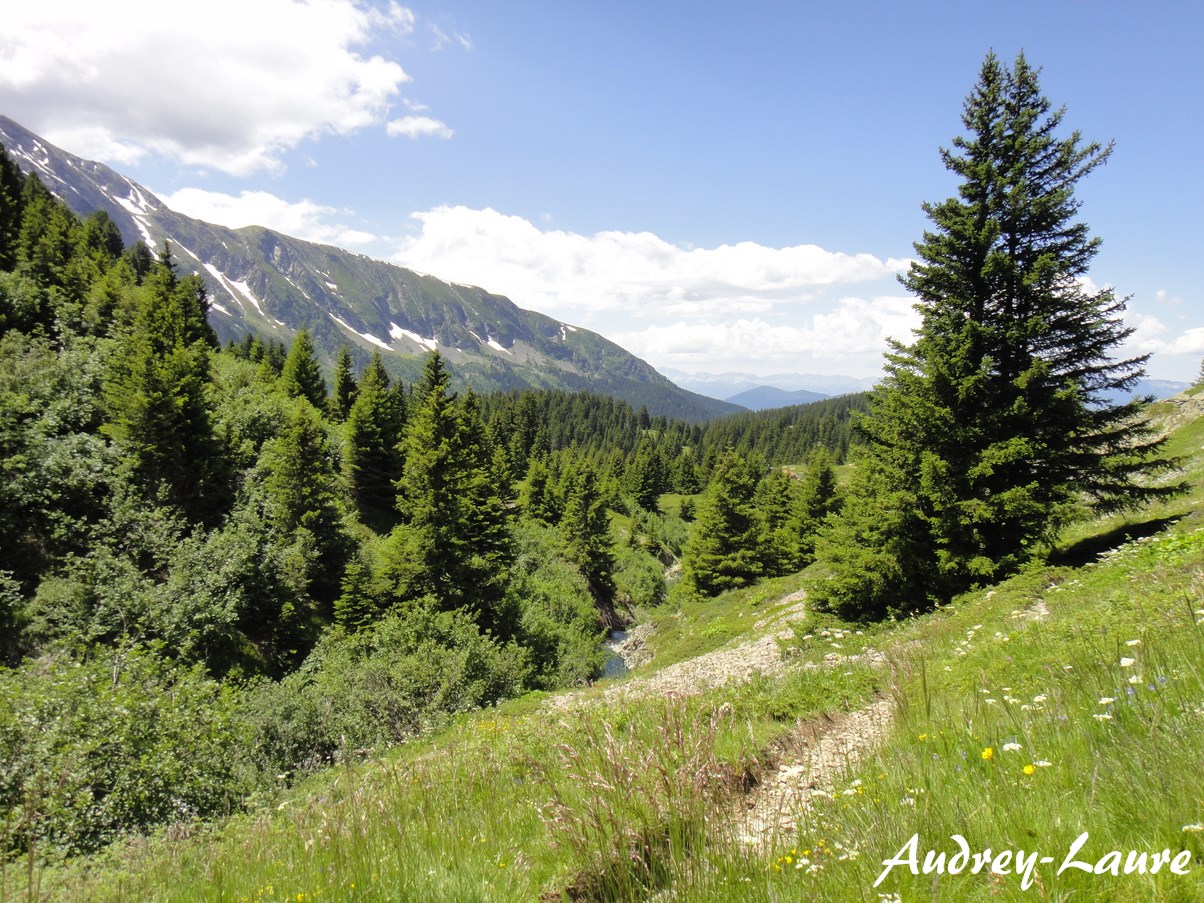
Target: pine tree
pixel 303 494
pixel 997 419
pixel 158 411
pixel 585 528
pixel 647 476
pixel 342 393
pixel 301 376
pixel 12 207
pixel 726 548
pixel 374 456
pixel 454 544
pixel 776 498
pixel 818 497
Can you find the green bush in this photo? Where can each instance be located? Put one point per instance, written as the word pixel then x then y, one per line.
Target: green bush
pixel 639 579
pixel 380 686
pixel 125 741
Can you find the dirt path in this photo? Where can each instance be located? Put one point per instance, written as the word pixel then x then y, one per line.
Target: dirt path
pixel 819 751
pixel 758 656
pixel 814 754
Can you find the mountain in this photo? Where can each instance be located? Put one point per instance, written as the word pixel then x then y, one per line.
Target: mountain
pixel 764 397
pixel 747 389
pixel 270 284
pixel 727 385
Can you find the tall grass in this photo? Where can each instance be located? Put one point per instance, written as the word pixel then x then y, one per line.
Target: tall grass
pixel 1065 700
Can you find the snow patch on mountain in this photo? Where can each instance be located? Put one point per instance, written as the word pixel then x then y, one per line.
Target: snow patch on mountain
pixel 366 336
pixel 397 332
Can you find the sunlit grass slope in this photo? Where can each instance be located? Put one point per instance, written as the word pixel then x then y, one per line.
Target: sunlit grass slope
pixel 1067 700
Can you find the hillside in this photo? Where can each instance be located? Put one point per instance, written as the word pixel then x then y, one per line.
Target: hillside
pixel 1063 702
pixel 764 397
pixel 271 285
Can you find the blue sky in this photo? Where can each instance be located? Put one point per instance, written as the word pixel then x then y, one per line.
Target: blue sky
pixel 715 187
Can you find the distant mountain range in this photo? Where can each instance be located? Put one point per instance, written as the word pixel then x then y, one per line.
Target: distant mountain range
pixel 783 389
pixel 270 284
pixel 730 385
pixel 764 397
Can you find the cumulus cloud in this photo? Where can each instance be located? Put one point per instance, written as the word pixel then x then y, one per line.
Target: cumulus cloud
pixel 302 219
pixel 742 305
pixel 852 335
pixel 418 127
pixel 229 85
pixel 638 273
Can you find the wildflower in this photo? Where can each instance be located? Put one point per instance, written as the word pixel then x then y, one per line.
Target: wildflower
pixel 988 754
pixel 1011 747
pixel 1133 642
pixel 1106 700
pixel 1104 716
pixel 1030 768
pixel 1039 698
pixel 1193 828
pixel 1043 763
pixel 1127 662
pixel 1135 679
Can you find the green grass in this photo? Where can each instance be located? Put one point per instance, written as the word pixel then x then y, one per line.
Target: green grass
pixel 1068 699
pixel 509 804
pixel 694 626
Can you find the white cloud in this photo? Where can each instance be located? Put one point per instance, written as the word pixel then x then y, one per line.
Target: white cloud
pixel 574 276
pixel 302 219
pixel 418 127
pixel 229 85
pixel 852 336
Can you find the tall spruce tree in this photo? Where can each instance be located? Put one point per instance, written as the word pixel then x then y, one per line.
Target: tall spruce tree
pixel 995 426
pixel 155 394
pixel 302 492
pixel 727 547
pixel 301 376
pixel 12 208
pixel 585 528
pixel 454 543
pixel 342 392
pixel 374 456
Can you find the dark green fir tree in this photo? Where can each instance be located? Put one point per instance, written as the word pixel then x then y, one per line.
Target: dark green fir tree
pixel 301 375
pixel 727 547
pixel 996 425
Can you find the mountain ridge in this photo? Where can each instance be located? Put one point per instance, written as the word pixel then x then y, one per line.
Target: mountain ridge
pixel 271 284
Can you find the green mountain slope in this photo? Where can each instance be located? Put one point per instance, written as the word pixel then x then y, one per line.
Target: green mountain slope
pixel 270 284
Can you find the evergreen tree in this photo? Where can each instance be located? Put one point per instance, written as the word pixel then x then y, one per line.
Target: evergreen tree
pixel 155 395
pixel 357 606
pixel 12 207
pixel 303 494
pixel 536 497
pixel 374 456
pixel 776 499
pixel 997 418
pixel 454 544
pixel 818 497
pixel 585 528
pixel 301 376
pixel 726 548
pixel 647 476
pixel 342 394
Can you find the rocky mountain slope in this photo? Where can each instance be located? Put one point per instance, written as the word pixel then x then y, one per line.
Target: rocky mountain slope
pixel 270 284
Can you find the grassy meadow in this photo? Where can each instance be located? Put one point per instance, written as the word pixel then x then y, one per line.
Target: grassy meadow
pixel 1068 699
